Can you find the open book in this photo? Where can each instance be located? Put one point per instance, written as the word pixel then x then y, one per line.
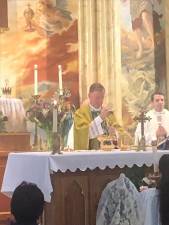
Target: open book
pixel 164 144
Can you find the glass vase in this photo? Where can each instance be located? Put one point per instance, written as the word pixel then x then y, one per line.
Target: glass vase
pixel 49 140
pixel 57 143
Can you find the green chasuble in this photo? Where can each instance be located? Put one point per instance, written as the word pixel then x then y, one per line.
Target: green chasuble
pixel 82 120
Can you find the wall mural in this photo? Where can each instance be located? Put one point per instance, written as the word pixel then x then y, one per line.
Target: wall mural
pixel 143 54
pixel 45 32
pixel 42 32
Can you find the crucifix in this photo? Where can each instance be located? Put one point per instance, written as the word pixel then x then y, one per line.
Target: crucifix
pixel 142 118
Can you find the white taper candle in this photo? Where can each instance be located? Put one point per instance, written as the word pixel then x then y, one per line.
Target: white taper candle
pixel 55 117
pixel 35 79
pixel 155 159
pixel 60 79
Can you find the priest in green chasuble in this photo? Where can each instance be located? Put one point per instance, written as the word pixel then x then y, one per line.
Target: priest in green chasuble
pixel 92 120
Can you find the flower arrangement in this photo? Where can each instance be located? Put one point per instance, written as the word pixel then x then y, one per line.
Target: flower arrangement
pixel 41 113
pixel 3 119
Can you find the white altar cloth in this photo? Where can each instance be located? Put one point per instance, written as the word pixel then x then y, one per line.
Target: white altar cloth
pixel 36 167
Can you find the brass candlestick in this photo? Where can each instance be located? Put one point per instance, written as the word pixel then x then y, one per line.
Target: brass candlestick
pixel 56 144
pixel 35 143
pixel 142 118
pixel 59 104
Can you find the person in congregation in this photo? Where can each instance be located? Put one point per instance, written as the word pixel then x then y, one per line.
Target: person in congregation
pixel 156 200
pixel 157 128
pixel 27 204
pixel 92 120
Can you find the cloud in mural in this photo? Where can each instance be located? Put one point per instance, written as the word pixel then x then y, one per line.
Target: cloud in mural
pixel 52 39
pixel 51 19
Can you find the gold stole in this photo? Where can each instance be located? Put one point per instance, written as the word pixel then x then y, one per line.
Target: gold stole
pixel 82 120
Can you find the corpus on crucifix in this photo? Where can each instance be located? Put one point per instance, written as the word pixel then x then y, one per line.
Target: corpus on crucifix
pixel 142 118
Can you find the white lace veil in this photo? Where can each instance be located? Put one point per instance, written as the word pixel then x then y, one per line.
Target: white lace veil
pixel 120 204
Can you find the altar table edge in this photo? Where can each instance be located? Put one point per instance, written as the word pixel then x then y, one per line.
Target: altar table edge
pixel 36 167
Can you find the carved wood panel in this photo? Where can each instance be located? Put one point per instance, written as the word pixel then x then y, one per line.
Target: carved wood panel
pixel 98 179
pixel 70 198
pixel 76 195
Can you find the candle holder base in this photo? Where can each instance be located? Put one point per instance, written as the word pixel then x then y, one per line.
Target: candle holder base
pixel 57 144
pixel 35 147
pixel 35 98
pixel 142 144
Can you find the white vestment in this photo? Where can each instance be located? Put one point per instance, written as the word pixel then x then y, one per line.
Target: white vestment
pixel 150 201
pixel 150 127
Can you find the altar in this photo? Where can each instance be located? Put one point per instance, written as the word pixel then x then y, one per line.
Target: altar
pixel 72 182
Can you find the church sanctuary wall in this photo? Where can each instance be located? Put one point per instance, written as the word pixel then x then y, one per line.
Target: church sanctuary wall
pixel 43 33
pixel 141 73
pixel 108 53
pixel 93 41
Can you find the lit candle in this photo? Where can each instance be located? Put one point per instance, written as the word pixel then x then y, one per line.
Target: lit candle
pixel 55 117
pixel 60 79
pixel 35 79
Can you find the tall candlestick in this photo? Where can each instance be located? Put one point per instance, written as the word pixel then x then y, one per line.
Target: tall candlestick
pixel 55 118
pixel 35 79
pixel 60 79
pixel 155 156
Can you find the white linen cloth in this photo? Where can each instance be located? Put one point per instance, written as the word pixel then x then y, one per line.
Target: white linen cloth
pixel 150 201
pixel 36 167
pixel 14 110
pixel 150 127
pixel 29 167
pixel 95 128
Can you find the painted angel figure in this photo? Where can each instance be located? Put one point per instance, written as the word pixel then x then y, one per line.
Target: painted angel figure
pixel 145 15
pixel 52 17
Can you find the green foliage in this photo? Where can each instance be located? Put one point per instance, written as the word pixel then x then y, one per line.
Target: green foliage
pixel 135 174
pixel 3 119
pixel 41 113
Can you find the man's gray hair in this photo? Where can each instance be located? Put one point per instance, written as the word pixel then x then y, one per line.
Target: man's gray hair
pixel 96 87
